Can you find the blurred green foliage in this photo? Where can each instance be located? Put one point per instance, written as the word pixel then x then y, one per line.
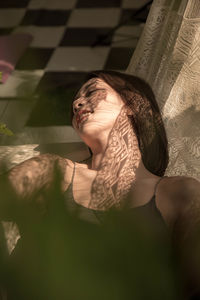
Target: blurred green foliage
pixel 5 130
pixel 60 256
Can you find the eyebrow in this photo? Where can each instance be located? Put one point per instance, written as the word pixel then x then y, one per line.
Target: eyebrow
pixel 88 86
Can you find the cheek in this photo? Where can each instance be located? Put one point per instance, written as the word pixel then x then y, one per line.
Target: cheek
pixel 102 119
pixel 96 98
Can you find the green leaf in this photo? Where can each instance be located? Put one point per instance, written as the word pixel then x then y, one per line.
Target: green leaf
pixel 5 130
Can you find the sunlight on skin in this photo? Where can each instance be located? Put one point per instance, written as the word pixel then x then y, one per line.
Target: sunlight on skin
pixel 102 106
pixel 101 120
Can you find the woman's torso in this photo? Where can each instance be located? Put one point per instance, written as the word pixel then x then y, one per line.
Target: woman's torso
pixel 77 195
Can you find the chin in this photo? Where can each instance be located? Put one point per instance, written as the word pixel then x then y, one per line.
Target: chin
pixel 90 134
pixel 87 131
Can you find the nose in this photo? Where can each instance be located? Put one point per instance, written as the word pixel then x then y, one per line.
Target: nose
pixel 78 104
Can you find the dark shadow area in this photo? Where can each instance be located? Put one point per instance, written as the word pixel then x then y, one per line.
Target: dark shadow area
pixel 55 94
pixel 74 151
pixel 61 256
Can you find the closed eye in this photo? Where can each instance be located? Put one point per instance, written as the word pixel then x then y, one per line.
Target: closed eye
pixel 89 93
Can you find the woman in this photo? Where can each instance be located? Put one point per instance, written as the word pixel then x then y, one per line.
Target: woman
pixel 117 116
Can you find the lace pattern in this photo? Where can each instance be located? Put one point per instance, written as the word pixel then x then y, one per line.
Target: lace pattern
pixel 168 58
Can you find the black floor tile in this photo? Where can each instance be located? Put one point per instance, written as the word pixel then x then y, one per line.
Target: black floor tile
pixel 5 31
pixel 56 92
pixel 34 58
pixel 85 36
pixel 13 3
pixel 66 80
pixel 52 109
pixel 119 58
pixel 44 17
pixel 129 16
pixel 98 3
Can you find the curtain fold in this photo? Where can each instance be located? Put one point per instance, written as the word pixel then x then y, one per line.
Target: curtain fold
pixel 168 58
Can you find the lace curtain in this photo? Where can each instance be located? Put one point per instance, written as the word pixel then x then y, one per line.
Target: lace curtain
pixel 168 58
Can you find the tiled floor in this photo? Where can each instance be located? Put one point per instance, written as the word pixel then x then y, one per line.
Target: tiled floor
pixel 62 51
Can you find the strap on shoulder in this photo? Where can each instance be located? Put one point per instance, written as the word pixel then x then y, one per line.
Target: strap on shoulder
pixel 156 186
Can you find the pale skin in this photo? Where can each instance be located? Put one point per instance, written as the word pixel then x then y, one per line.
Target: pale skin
pixel 172 201
pixel 97 109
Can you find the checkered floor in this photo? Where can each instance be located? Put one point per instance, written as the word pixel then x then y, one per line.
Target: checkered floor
pixel 70 38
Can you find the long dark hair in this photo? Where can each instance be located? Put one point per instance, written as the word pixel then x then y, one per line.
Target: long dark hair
pixel 146 119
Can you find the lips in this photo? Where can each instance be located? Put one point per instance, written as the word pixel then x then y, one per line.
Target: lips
pixel 81 116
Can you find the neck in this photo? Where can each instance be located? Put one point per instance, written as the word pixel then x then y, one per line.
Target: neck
pixel 96 161
pixel 98 151
pixel 116 166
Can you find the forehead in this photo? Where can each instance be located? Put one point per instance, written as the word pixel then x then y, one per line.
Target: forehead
pixel 93 83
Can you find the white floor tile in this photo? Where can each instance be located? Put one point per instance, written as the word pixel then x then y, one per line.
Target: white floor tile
pixel 43 37
pixel 133 3
pixel 78 59
pixel 20 83
pixel 52 4
pixel 108 17
pixel 15 154
pixel 11 17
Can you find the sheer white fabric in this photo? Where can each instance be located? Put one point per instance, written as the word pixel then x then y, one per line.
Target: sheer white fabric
pixel 168 58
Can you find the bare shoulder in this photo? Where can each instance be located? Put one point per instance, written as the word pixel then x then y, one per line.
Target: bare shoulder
pixel 189 190
pixel 39 171
pixel 40 164
pixel 177 193
pixel 180 185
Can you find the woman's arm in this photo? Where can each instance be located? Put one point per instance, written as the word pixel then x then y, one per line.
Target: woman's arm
pixel 31 179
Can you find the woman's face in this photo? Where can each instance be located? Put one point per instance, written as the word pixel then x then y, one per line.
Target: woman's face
pixel 95 109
